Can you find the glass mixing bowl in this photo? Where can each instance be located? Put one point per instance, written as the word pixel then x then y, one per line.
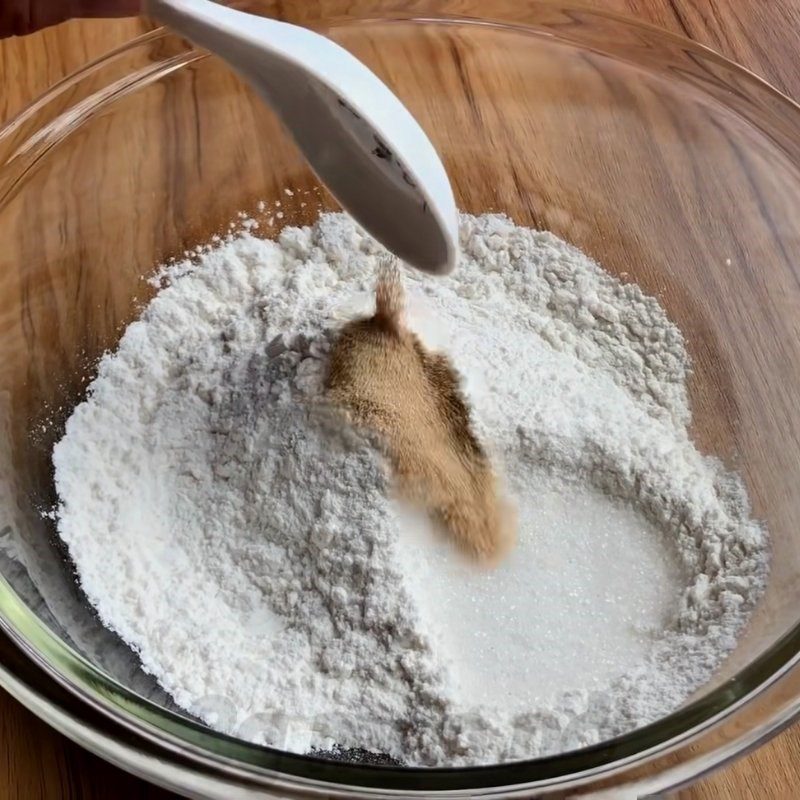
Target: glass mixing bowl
pixel 670 165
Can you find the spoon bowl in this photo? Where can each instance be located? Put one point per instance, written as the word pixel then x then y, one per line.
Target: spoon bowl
pixel 359 139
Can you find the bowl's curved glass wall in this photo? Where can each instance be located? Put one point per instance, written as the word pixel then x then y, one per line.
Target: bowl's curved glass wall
pixel 669 166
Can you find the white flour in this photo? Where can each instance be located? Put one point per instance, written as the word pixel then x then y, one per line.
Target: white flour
pixel 244 542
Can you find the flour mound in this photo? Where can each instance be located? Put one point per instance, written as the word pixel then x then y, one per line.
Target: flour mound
pixel 245 543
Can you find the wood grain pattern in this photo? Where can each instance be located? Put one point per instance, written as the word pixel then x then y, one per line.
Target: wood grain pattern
pixel 37 763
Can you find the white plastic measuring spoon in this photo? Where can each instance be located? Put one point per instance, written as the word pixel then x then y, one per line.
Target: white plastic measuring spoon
pixel 359 139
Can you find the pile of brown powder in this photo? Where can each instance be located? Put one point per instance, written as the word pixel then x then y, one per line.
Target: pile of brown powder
pixel 389 383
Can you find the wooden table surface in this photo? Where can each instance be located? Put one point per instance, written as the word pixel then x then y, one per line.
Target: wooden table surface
pixel 36 762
